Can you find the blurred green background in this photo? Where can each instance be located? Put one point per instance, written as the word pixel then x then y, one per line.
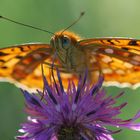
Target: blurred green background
pixel 103 18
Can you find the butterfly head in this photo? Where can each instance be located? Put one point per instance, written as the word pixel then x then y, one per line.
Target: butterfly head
pixel 64 40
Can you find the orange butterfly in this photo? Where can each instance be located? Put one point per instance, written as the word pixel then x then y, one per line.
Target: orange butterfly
pixel 117 58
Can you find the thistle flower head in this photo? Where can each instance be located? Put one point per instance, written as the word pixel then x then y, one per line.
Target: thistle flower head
pixel 81 112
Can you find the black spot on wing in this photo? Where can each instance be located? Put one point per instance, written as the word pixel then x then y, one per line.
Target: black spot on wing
pixel 133 43
pixel 23 48
pixel 118 41
pixel 2 61
pixel 109 40
pixel 3 54
pixel 124 48
pixel 28 46
pixel 3 67
pixel 19 57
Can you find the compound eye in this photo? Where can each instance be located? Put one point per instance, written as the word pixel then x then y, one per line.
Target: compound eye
pixel 65 41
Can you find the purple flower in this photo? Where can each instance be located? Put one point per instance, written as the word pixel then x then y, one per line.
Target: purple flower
pixel 81 112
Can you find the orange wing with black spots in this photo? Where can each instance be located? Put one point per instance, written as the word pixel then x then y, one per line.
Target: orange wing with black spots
pixel 118 59
pixel 21 65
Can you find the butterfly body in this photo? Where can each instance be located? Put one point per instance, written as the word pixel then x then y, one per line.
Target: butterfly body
pixel 117 58
pixel 71 57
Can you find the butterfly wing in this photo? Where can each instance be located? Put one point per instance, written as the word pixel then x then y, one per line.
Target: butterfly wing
pixel 20 65
pixel 118 59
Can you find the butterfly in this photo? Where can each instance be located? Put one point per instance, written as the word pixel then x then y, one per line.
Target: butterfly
pixel 117 58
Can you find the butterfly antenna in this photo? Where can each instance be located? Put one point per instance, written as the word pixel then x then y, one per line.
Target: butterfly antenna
pixel 82 13
pixel 26 25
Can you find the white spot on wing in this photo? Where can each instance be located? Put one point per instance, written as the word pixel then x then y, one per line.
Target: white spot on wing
pixel 137 58
pixel 106 59
pixel 128 65
pixel 107 71
pixel 37 56
pixel 134 62
pixel 119 71
pixel 110 51
pixel 121 85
